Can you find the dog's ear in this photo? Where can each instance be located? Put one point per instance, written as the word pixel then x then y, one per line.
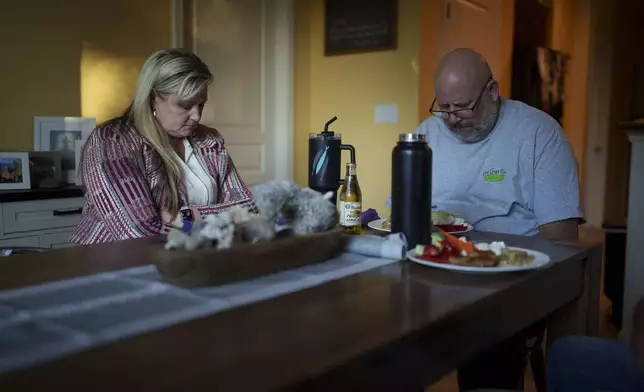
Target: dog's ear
pixel 328 195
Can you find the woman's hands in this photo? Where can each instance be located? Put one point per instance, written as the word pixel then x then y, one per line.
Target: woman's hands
pixel 196 214
pixel 176 222
pixel 166 217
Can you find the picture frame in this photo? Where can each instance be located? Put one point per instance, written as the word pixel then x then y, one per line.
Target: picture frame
pixel 360 26
pixel 60 134
pixel 14 171
pixel 78 152
pixel 45 169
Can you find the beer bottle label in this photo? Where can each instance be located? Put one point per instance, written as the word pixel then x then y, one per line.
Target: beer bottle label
pixel 350 213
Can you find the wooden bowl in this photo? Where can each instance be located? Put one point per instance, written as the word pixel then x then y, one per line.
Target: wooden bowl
pixel 210 266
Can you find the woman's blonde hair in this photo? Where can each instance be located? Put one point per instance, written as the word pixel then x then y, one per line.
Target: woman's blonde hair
pixel 167 71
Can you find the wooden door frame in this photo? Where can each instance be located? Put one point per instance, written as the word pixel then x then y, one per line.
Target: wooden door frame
pixel 279 73
pixel 598 113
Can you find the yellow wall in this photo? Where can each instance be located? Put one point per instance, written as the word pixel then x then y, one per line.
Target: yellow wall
pixel 349 86
pixel 73 58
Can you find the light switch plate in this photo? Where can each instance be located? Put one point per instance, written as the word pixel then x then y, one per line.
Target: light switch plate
pixel 386 114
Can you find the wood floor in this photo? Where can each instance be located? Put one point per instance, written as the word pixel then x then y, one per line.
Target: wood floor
pixel 606 330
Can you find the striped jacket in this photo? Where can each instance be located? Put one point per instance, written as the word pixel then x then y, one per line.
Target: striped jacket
pixel 125 187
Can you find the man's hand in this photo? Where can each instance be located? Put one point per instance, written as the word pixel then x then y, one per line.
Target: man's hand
pixel 563 230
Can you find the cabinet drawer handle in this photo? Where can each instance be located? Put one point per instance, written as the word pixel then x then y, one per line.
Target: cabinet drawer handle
pixel 73 211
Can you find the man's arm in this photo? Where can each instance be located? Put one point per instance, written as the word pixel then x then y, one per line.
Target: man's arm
pixel 563 230
pixel 556 186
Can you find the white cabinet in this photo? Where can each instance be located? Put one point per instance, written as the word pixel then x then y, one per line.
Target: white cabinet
pixel 31 241
pixel 634 268
pixel 55 240
pixel 45 223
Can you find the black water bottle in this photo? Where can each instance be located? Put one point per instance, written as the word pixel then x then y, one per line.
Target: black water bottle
pixel 411 189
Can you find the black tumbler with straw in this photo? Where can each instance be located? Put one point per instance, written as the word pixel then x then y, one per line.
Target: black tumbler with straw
pixel 411 189
pixel 324 160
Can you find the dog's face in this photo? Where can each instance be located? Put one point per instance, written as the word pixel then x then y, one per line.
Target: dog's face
pixel 271 196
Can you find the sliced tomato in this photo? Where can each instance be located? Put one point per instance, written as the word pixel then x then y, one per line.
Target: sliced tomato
pixel 449 250
pixel 430 251
pixel 453 228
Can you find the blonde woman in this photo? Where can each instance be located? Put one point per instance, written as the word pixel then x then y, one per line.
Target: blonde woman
pixel 142 168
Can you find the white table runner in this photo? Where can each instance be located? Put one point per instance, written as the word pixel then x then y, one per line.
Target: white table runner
pixel 44 322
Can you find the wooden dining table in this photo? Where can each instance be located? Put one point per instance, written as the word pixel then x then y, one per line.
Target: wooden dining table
pixel 398 327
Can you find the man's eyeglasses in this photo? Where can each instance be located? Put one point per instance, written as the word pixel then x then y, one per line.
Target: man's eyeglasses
pixel 459 113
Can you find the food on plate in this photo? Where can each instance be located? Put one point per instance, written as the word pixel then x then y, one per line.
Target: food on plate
pixel 438 247
pixel 448 222
pixel 461 245
pixel 446 248
pixel 507 257
pixel 484 258
pixel 441 218
pixel 385 224
pixel 516 258
pixel 444 220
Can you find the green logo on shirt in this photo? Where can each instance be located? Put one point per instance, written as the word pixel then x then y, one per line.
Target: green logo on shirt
pixel 494 175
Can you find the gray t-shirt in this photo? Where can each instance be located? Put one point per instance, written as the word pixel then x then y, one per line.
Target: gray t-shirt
pixel 523 175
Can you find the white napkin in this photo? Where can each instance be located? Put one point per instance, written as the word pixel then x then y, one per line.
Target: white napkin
pixel 393 246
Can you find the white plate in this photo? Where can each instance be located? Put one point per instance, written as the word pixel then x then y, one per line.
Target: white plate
pixel 377 225
pixel 540 260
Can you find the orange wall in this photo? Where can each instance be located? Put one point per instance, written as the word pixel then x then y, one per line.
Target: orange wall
pixel 73 58
pixel 429 55
pixel 349 86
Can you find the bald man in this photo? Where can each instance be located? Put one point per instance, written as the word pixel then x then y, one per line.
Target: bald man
pixel 506 167
pixel 503 165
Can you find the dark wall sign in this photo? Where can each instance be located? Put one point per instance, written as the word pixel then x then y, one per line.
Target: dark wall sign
pixel 355 26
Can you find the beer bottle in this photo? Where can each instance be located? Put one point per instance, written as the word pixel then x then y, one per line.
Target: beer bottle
pixel 351 202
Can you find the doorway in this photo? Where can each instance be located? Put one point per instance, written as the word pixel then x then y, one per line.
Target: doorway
pixel 477 25
pixel 248 45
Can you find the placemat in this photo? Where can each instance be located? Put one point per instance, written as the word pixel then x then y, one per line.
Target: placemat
pixel 45 322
